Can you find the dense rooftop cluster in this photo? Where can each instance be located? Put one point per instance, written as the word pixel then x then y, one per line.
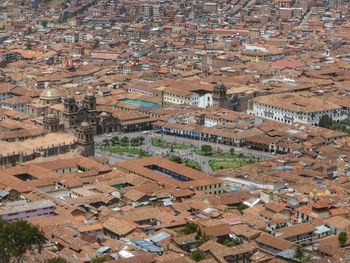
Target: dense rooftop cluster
pixel 177 131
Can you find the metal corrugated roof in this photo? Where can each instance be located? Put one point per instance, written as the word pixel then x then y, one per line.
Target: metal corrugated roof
pixel 147 245
pixel 159 237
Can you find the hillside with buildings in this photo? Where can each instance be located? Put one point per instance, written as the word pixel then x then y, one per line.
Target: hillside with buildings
pixel 184 131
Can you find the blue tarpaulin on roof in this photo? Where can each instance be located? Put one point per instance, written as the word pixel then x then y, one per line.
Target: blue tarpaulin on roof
pixel 147 245
pixel 293 202
pixel 283 168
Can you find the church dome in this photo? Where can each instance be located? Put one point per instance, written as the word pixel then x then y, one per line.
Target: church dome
pixel 50 94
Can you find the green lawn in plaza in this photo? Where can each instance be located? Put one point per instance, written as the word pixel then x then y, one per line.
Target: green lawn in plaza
pixel 168 145
pixel 125 151
pixel 228 164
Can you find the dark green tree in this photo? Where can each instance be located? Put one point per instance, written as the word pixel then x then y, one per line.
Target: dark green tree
pixel 44 23
pixel 134 141
pixel 299 253
pixel 342 238
pixel 197 255
pixel 124 140
pixel 325 121
pixel 231 242
pixel 207 149
pixel 17 238
pixel 189 228
pixel 13 163
pixel 176 159
pixel 105 142
pixel 242 207
pixel 232 150
pixel 56 260
pixel 199 234
pixel 115 140
pixel 205 238
pixel 7 251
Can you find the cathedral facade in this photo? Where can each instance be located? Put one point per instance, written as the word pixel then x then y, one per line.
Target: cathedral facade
pixel 73 115
pixel 232 101
pixel 69 114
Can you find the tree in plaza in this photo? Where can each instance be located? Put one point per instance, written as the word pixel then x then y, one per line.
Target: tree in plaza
pixel 342 238
pixel 115 140
pixel 206 149
pixel 124 140
pixel 105 142
pixel 176 159
pixel 137 141
pixel 17 238
pixel 232 150
pixel 325 121
pixel 134 141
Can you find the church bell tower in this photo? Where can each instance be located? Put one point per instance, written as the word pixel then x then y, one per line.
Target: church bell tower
pixel 85 139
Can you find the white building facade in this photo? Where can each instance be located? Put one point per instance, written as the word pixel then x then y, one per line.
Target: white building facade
pixel 289 116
